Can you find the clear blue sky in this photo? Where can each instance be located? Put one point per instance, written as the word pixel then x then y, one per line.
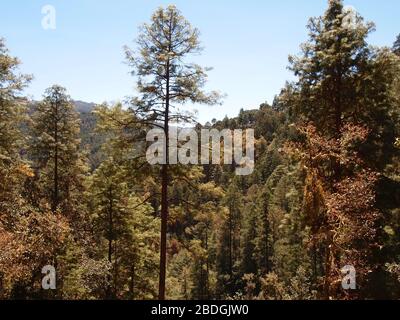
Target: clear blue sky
pixel 247 43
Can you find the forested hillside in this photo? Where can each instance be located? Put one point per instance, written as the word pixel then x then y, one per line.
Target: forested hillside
pixel 77 193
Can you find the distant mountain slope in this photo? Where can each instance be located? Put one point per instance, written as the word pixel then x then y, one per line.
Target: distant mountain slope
pixel 91 141
pixel 83 107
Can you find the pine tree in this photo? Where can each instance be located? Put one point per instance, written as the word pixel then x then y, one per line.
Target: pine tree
pixel 203 238
pixel 24 230
pixel 396 46
pixel 12 108
pixel 342 83
pixel 332 70
pixel 125 222
pixel 229 250
pixel 109 202
pixel 122 197
pixel 165 82
pixel 55 151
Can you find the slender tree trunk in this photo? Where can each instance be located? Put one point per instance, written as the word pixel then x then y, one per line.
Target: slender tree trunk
pixel 110 227
pixel 110 242
pixel 55 191
pixel 207 269
pixel 267 251
pixel 230 243
pixel 164 194
pixel 314 263
pixel 328 269
pixel 201 287
pixel 338 108
pixel 132 283
pixel 164 222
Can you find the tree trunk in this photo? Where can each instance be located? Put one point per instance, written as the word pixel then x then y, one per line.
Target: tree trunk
pixel 132 283
pixel 164 195
pixel 55 191
pixel 207 269
pixel 110 241
pixel 230 243
pixel 164 222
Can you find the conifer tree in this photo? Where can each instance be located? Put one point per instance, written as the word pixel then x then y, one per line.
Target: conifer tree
pixel 341 85
pixel 332 70
pixel 11 103
pixel 125 230
pixel 55 150
pixel 396 46
pixel 229 249
pixel 23 229
pixel 166 81
pixel 12 107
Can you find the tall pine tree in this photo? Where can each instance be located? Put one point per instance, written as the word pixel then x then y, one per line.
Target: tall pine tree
pixel 165 81
pixel 55 151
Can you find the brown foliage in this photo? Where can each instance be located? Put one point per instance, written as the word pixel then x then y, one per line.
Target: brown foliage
pixel 339 202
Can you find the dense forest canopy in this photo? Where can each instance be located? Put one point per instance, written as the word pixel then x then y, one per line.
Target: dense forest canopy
pixel 77 193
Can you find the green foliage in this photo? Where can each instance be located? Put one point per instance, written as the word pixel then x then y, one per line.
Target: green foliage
pixel 55 151
pixel 11 104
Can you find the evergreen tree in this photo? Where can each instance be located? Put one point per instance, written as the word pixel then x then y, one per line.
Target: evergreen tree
pixel 342 83
pixel 332 71
pixel 229 249
pixel 30 239
pixel 55 151
pixel 165 82
pixel 125 231
pixel 396 45
pixel 122 197
pixel 12 107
